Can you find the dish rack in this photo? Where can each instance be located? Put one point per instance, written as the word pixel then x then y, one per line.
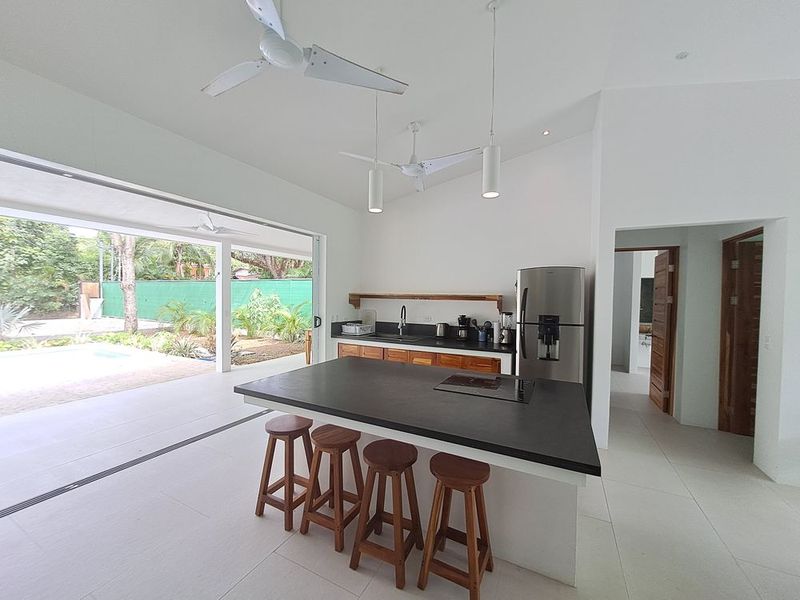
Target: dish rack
pixel 357 329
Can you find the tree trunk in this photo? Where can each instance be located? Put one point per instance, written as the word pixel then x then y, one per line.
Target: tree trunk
pixel 277 266
pixel 126 246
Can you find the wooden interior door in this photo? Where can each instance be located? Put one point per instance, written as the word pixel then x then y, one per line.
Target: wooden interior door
pixel 661 351
pixel 741 312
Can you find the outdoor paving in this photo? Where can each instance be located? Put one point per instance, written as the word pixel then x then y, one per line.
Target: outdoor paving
pixel 49 328
pixel 49 376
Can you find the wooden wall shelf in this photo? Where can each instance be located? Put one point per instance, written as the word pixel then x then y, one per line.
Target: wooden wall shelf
pixel 355 298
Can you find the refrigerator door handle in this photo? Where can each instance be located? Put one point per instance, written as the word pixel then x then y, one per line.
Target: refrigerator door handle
pixel 523 309
pixel 522 339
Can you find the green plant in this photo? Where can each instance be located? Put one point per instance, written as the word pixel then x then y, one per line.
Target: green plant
pixel 258 315
pixel 175 312
pixel 181 346
pixel 57 342
pixel 12 320
pixel 291 323
pixel 6 345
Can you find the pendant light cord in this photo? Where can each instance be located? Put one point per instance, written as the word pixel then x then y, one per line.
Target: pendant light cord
pixel 494 43
pixel 376 130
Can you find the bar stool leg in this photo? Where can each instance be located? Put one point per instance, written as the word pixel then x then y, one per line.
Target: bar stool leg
pixel 363 518
pixel 483 527
pixel 357 474
pixel 397 525
pixel 331 503
pixel 288 485
pixel 309 453
pixel 445 525
pixel 430 538
pixel 411 489
pixel 313 476
pixel 380 503
pixel 265 473
pixel 338 501
pixel 472 546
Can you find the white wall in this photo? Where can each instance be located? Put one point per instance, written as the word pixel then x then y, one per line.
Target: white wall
pixel 625 326
pixel 648 263
pixel 449 239
pixel 45 120
pixel 708 154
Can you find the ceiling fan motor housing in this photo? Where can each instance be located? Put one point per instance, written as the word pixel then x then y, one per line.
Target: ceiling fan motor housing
pixel 278 52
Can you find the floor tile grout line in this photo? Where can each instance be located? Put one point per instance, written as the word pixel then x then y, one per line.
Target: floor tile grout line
pixel 616 541
pixel 181 502
pixel 14 508
pixel 322 576
pixel 767 567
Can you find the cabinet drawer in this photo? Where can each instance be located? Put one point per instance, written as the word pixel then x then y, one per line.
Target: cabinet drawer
pixel 349 350
pixel 421 358
pixel 482 364
pixel 372 352
pixel 450 361
pixel 395 355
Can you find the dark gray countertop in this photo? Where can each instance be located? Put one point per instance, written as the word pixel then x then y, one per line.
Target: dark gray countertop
pixel 552 429
pixel 431 342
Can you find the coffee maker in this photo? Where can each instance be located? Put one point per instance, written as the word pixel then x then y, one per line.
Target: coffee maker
pixel 507 327
pixel 463 327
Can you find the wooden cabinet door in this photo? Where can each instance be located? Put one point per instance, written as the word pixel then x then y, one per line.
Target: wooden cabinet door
pixel 349 350
pixel 416 357
pixel 450 361
pixel 482 364
pixel 372 352
pixel 395 355
pixel 661 351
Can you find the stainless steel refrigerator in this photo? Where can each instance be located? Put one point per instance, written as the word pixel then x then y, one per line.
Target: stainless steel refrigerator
pixel 550 323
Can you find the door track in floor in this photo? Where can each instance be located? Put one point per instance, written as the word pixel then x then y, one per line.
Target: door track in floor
pixel 126 465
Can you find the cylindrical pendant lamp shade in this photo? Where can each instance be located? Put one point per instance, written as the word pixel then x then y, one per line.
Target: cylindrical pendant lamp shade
pixel 375 191
pixel 491 171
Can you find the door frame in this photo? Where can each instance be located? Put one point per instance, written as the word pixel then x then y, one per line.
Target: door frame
pixel 669 404
pixel 727 286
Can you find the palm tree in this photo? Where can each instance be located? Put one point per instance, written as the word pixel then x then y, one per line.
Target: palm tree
pixel 12 320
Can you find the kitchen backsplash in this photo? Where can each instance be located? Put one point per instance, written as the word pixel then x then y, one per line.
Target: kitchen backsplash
pixel 436 311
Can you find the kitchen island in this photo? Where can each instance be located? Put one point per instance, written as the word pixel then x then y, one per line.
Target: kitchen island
pixel 540 450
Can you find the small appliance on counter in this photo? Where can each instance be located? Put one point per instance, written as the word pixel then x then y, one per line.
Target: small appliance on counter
pixel 507 327
pixel 357 329
pixel 441 330
pixel 463 327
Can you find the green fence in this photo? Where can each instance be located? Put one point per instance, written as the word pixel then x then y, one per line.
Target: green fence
pixel 201 295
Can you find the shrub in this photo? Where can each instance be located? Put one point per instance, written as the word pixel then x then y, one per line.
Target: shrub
pixel 175 312
pixel 258 315
pixel 6 345
pixel 12 320
pixel 291 323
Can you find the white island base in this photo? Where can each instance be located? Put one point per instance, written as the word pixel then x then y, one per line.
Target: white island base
pixel 532 508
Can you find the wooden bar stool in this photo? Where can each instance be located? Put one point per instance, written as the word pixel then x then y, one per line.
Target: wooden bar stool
pixel 388 458
pixel 287 429
pixel 467 476
pixel 333 441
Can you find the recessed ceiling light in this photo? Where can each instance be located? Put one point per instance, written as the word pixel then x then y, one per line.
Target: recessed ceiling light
pixel 67 174
pixel 546 132
pixel 683 54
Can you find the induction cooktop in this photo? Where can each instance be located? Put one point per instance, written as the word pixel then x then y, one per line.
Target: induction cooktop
pixel 499 387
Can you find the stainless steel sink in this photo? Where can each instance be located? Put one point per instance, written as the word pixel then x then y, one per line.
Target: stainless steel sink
pixel 397 336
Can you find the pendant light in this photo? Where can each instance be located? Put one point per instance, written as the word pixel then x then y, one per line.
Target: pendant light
pixel 375 174
pixel 491 153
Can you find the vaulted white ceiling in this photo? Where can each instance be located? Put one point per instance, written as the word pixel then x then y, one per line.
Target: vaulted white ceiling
pixel 151 57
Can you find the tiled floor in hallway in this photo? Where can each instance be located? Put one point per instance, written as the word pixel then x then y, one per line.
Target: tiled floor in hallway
pixel 680 513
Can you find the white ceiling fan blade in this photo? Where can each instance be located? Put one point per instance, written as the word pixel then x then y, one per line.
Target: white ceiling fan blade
pixel 419 183
pixel 207 221
pixel 432 165
pixel 235 76
pixel 236 231
pixel 327 65
pixel 186 227
pixel 368 159
pixel 266 14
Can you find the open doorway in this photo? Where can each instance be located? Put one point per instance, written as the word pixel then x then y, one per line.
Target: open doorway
pixel 741 312
pixel 645 313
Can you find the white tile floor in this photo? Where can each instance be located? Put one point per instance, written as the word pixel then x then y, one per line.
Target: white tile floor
pixel 680 513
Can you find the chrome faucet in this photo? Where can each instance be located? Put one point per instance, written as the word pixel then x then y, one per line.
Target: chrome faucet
pixel 401 325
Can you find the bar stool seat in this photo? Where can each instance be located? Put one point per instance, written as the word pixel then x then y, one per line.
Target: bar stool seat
pixel 467 476
pixel 333 441
pixel 286 428
pixel 392 459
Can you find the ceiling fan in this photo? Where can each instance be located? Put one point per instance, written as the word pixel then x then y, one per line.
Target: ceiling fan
pixel 280 52
pixel 208 226
pixel 419 168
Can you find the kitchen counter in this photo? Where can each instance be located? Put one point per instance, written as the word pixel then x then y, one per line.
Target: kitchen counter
pixel 430 342
pixel 552 429
pixel 540 451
